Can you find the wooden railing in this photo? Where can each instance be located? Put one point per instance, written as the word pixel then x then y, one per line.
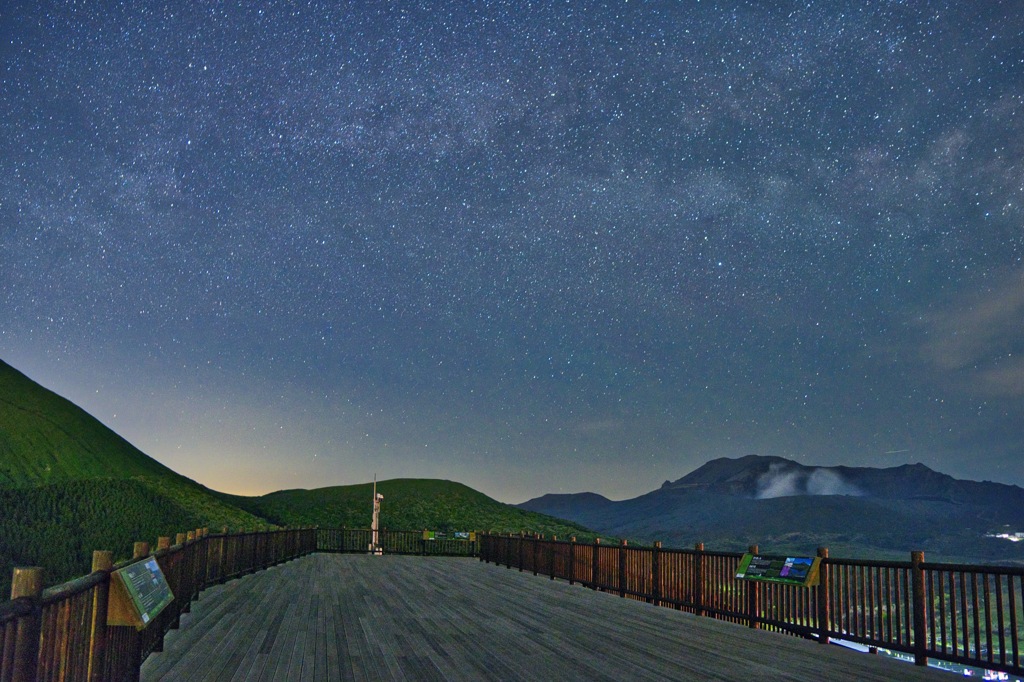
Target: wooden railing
pixel 61 633
pixel 353 540
pixel 960 613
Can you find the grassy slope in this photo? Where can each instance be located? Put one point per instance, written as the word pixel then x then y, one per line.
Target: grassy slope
pixel 408 504
pixel 69 480
pixel 69 485
pixel 46 439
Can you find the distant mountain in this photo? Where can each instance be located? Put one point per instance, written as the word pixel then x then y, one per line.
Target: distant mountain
pixel 783 505
pixel 571 506
pixel 767 477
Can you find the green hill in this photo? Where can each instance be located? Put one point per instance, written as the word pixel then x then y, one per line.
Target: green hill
pixel 45 438
pixel 409 504
pixel 69 485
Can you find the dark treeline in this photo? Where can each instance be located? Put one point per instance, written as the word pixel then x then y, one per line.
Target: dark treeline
pixel 58 526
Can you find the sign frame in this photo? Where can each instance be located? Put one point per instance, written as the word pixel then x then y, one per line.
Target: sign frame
pixel 138 593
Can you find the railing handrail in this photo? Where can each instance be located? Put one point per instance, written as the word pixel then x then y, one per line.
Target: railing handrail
pixel 928 609
pixel 963 613
pixel 37 632
pixel 973 568
pixel 57 593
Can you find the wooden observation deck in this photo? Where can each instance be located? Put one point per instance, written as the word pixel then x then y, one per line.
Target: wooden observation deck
pixel 312 604
pixel 361 617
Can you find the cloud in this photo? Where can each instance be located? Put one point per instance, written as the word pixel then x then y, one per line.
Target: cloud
pixel 778 483
pixel 978 340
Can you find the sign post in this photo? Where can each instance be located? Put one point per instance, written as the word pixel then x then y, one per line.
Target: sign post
pixel 375 547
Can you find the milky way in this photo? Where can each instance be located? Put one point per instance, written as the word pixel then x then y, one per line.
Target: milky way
pixel 530 247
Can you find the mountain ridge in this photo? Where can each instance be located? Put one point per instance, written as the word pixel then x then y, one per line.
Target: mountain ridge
pixel 775 502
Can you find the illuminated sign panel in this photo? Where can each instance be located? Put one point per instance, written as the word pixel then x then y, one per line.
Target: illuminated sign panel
pixel 441 535
pixel 802 571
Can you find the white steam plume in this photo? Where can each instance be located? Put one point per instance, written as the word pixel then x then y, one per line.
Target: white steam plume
pixel 778 483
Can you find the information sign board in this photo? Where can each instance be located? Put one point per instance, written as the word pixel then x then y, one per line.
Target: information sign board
pixel 138 593
pixel 801 571
pixel 440 535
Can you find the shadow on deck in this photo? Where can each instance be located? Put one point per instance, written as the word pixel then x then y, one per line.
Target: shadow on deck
pixel 358 617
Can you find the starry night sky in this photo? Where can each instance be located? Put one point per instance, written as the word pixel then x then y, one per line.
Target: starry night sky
pixel 532 247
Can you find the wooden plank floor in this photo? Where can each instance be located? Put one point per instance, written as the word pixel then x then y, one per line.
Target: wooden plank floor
pixel 358 617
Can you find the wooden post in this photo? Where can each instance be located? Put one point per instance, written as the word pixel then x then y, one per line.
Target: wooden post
pixel 572 560
pixel 655 597
pixel 163 543
pixel 753 596
pixel 27 583
pixel 140 550
pixel 920 633
pixel 551 555
pixel 698 579
pixel 101 561
pixel 594 571
pixel 203 571
pixel 220 559
pixel 824 596
pixel 179 539
pixel 190 536
pixel 622 568
pixel 536 551
pixel 249 542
